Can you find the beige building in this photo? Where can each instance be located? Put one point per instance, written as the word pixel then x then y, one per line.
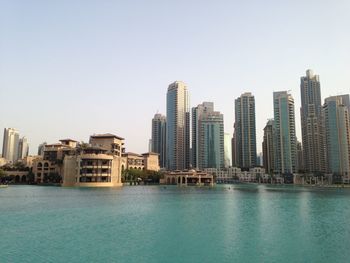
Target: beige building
pixel 28 160
pixel 52 160
pixel 146 161
pixel 110 142
pixel 18 176
pixel 95 165
pixel 3 161
pixel 234 173
pixel 190 177
pixel 92 167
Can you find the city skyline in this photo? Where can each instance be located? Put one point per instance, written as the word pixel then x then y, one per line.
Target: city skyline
pixel 88 65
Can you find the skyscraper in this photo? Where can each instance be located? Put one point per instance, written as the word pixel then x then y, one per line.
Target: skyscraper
pixel 228 149
pixel 285 148
pixel 300 157
pixel 207 137
pixel 267 146
pixel 10 144
pixel 197 115
pixel 41 148
pixel 245 131
pixel 337 134
pixel 23 148
pixel 177 127
pixel 310 111
pixel 233 150
pixel 159 137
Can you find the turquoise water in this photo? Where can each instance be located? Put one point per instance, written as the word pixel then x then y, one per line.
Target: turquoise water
pixel 170 224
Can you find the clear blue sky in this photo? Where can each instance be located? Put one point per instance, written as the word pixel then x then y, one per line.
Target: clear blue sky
pixel 74 68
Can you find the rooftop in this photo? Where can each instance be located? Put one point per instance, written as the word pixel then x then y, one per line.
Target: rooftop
pixel 131 153
pixel 106 135
pixel 150 153
pixel 67 140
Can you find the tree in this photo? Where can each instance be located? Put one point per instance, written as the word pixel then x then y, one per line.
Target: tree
pixel 2 176
pixel 52 178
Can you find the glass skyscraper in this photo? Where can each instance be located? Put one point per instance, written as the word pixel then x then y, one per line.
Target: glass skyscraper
pixel 177 127
pixel 158 141
pixel 267 146
pixel 207 137
pixel 285 148
pixel 10 145
pixel 337 134
pixel 245 131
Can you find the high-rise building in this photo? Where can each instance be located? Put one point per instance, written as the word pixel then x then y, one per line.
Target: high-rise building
pixel 260 159
pixel 300 158
pixel 23 148
pixel 245 131
pixel 267 146
pixel 285 144
pixel 41 148
pixel 207 137
pixel 10 144
pixel 197 116
pixel 233 150
pixel 336 111
pixel 312 138
pixel 177 127
pixel 228 149
pixel 159 138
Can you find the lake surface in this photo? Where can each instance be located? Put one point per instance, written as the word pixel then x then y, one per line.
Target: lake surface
pixel 226 223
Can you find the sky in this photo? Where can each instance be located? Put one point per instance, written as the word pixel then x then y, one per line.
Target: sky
pixel 69 69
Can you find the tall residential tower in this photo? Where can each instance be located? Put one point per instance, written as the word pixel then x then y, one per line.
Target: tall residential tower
pixel 245 131
pixel 337 134
pixel 10 145
pixel 207 137
pixel 23 148
pixel 177 127
pixel 312 138
pixel 158 141
pixel 285 143
pixel 267 146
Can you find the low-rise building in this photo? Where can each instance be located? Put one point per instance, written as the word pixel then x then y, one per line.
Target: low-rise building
pixel 90 165
pixel 233 174
pixel 190 177
pixel 28 160
pixel 146 161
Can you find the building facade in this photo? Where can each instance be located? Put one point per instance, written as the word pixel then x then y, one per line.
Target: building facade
pixel 228 149
pixel 92 167
pixel 41 148
pixel 97 164
pixel 267 146
pixel 158 140
pixel 211 143
pixel 197 132
pixel 245 131
pixel 207 137
pixel 177 127
pixel 146 161
pixel 10 145
pixel 300 158
pixel 337 134
pixel 23 148
pixel 285 148
pixel 312 136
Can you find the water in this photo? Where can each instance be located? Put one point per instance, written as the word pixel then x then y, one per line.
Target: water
pixel 241 223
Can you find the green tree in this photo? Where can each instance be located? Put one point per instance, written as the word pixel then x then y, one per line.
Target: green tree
pixel 52 178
